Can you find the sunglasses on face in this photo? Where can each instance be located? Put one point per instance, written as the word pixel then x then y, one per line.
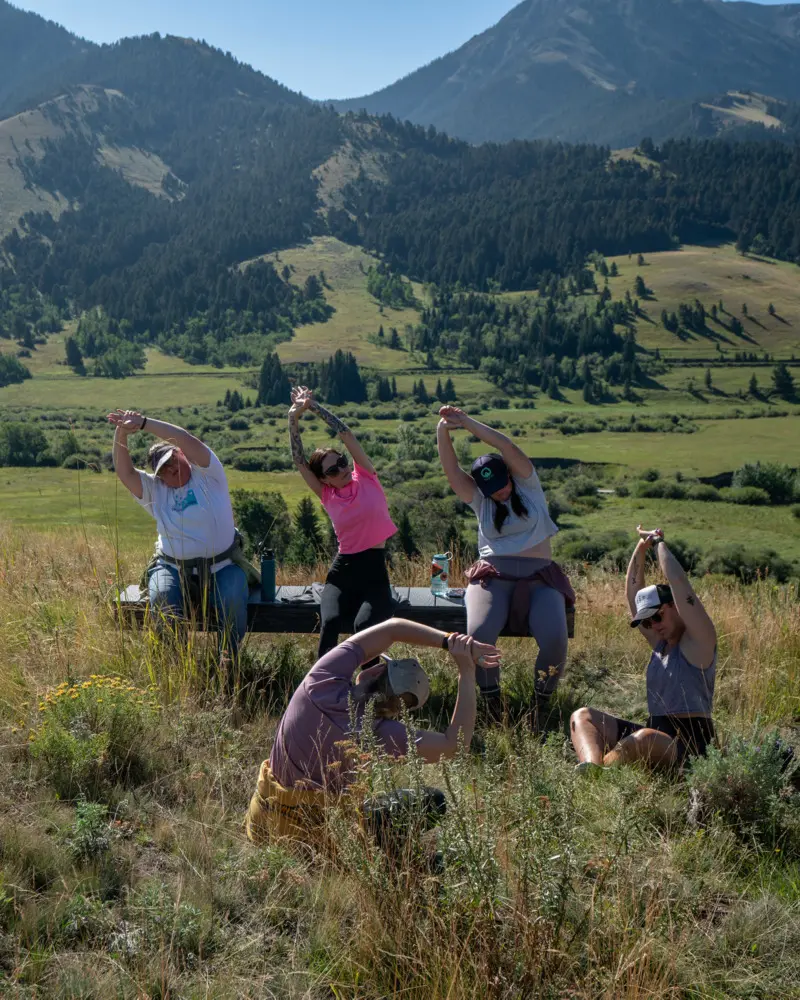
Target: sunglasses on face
pixel 655 619
pixel 338 466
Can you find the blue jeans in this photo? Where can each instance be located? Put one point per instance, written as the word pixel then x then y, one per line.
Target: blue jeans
pixel 227 596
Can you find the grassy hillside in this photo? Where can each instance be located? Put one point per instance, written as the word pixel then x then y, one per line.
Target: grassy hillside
pixel 26 135
pixel 629 886
pixel 713 274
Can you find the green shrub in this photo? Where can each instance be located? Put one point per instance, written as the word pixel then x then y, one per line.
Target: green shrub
pixel 84 920
pixel 751 496
pixel 704 492
pixel 748 565
pixel 777 480
pixel 749 787
pixel 239 424
pixel 262 517
pixel 610 546
pixel 651 475
pixel 90 837
pixel 92 735
pixel 83 463
pixel 661 488
pixel 181 926
pixel 796 510
pixel 580 486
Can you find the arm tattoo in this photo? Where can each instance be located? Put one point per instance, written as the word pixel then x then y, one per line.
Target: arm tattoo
pixel 690 599
pixel 333 422
pixel 298 455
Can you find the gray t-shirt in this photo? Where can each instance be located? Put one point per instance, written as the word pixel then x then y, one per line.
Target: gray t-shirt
pixel 517 533
pixel 305 753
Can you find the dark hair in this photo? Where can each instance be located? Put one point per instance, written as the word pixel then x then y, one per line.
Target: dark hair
pixel 317 459
pixel 501 511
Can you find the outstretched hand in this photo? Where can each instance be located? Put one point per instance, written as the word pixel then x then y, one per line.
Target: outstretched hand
pixel 302 398
pixel 467 652
pixel 650 537
pixel 129 421
pixel 453 416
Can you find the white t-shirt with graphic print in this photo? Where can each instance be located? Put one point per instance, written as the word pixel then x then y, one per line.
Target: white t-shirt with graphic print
pixel 194 521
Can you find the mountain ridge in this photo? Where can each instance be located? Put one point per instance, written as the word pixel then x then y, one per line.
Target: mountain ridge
pixel 598 71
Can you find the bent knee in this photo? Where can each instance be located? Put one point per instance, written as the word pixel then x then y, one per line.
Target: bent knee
pixel 581 717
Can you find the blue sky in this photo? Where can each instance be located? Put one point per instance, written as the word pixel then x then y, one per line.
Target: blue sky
pixel 320 47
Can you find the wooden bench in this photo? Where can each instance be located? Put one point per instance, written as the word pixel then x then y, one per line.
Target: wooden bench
pixel 290 615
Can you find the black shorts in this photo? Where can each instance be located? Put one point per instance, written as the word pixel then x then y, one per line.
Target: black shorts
pixel 694 733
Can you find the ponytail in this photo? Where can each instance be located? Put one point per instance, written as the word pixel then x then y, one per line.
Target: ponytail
pixel 501 511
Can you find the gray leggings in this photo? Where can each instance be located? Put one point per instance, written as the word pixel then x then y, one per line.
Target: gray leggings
pixel 487 614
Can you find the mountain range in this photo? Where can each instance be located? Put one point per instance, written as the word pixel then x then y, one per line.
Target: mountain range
pixel 153 177
pixel 606 71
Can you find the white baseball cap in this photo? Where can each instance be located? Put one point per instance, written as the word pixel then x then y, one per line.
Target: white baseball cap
pixel 407 677
pixel 649 600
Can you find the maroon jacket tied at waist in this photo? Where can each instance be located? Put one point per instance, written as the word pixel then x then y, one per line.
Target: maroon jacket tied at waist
pixel 551 575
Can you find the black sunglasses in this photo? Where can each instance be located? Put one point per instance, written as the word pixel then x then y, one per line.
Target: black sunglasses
pixel 655 619
pixel 338 466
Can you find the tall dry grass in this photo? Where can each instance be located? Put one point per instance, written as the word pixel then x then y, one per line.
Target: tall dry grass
pixel 551 886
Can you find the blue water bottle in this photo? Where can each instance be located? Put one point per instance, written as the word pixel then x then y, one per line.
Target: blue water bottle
pixel 268 577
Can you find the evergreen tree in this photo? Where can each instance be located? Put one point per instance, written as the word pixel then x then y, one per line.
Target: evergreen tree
pixel 782 381
pixel 306 545
pixel 614 270
pixel 340 379
pixel 708 380
pixel 752 388
pixel 405 536
pixel 273 385
pixel 439 393
pixel 74 356
pixel 449 391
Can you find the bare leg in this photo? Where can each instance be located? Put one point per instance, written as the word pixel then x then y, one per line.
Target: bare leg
pixel 650 745
pixel 592 733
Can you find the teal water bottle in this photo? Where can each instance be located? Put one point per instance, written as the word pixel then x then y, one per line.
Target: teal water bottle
pixel 440 573
pixel 268 577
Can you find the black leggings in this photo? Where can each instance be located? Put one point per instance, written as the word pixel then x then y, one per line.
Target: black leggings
pixel 356 590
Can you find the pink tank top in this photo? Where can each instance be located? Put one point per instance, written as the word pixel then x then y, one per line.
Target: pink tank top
pixel 359 512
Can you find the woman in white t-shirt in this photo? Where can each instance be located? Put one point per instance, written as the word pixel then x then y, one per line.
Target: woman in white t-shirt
pixel 515 581
pixel 186 492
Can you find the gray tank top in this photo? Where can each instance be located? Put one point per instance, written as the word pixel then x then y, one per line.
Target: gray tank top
pixel 675 686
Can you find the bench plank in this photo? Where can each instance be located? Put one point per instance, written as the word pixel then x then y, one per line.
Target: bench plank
pixel 289 615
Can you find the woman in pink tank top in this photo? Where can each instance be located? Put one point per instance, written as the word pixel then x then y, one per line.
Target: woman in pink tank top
pixel 357 592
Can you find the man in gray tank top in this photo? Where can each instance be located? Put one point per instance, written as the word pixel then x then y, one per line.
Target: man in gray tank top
pixel 680 675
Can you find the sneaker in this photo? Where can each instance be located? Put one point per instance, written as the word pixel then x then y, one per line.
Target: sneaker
pixel 589 767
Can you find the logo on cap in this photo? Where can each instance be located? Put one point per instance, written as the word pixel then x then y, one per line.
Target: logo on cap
pixel 486 472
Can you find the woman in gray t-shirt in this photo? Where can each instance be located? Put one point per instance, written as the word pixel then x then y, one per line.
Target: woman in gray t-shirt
pixel 516 560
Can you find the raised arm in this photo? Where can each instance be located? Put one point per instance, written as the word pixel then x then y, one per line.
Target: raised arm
pixel 519 465
pixel 461 483
pixel 192 447
pixel 300 403
pixel 700 631
pixel 347 437
pixel 433 747
pixel 126 423
pixel 634 580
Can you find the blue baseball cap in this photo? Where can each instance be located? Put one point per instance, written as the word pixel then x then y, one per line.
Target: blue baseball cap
pixel 490 473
